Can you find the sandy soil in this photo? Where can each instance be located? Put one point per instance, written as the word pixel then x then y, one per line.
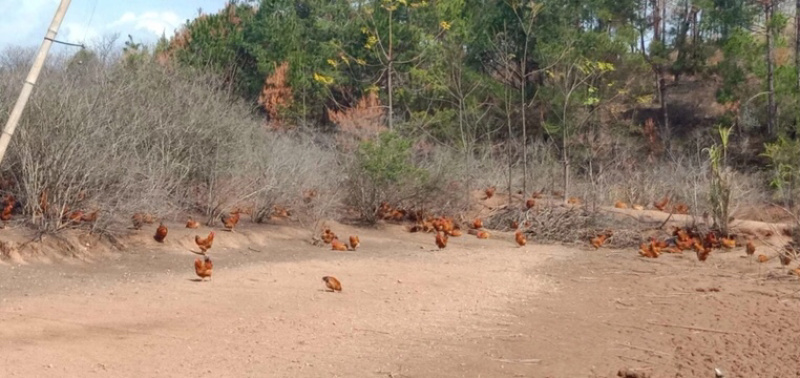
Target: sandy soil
pixel 479 308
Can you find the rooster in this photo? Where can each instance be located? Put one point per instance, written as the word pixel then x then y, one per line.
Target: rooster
pixel 203 268
pixel 520 237
pixel 161 233
pixel 354 242
pixel 336 245
pixel 204 244
pixel 441 240
pixel 332 284
pixel 191 223
pixel 662 204
pixel 231 220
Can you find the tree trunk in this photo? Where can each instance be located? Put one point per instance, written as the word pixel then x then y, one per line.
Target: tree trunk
pixel 771 106
pixel 390 67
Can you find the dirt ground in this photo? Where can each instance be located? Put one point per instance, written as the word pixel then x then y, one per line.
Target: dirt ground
pixel 479 308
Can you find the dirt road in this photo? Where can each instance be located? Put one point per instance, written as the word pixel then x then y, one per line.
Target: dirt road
pixel 479 308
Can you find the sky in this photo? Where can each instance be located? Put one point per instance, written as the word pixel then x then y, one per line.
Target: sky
pixel 23 23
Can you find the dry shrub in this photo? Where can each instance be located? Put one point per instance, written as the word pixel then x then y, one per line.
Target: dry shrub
pixel 361 122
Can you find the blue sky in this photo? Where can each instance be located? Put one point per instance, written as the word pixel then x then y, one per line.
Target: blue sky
pixel 24 22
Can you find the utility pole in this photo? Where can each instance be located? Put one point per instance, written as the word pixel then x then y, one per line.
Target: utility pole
pixel 30 81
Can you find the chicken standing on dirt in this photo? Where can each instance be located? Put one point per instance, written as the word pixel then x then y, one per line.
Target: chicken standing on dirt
pixel 354 242
pixel 231 220
pixel 204 244
pixel 441 239
pixel 662 204
pixel 203 268
pixel 490 192
pixel 520 237
pixel 161 233
pixel 332 283
pixel 599 240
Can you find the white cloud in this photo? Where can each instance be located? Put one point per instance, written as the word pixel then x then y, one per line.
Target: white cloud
pixel 154 22
pixel 77 33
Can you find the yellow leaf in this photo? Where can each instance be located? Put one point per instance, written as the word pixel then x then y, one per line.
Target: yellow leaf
pixel 445 25
pixel 332 62
pixel 361 62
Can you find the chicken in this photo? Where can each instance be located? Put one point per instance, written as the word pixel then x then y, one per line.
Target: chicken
pixel 354 242
pixel 785 259
pixel 161 233
pixel 662 204
pixel 620 205
pixel 649 250
pixel 763 258
pixel 750 248
pixel 728 243
pixel 309 195
pixel 530 203
pixel 520 237
pixel 5 216
pixel 711 240
pixel 140 219
pixel 482 235
pixel 336 245
pixel 702 251
pixel 637 207
pixel 599 240
pixel 332 283
pixel 680 208
pixel 191 223
pixel 441 239
pixel 43 204
pixel 574 201
pixel 74 217
pixel 328 236
pixel 490 192
pixel 477 223
pixel 537 194
pixel 203 268
pixel 204 244
pixel 454 233
pixel 231 220
pixel 514 224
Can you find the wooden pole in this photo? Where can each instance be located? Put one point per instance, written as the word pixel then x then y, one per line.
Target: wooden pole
pixel 30 81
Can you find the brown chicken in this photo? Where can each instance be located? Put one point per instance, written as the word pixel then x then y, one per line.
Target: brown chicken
pixel 203 268
pixel 530 203
pixel 520 237
pixel 204 244
pixel 74 217
pixel 354 242
pixel 702 251
pixel 231 220
pixel 477 223
pixel 191 223
pixel 332 283
pixel 763 258
pixel 728 243
pixel 161 233
pixel 750 248
pixel 574 201
pixel 336 245
pixel 140 219
pixel 490 192
pixel 482 235
pixel 599 240
pixel 454 233
pixel 441 239
pixel 680 208
pixel 5 216
pixel 662 204
pixel 328 236
pixel 620 205
pixel 649 250
pixel 637 207
pixel 785 259
pixel 514 224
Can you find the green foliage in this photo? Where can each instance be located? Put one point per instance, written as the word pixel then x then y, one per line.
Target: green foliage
pixel 721 177
pixel 387 161
pixel 784 161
